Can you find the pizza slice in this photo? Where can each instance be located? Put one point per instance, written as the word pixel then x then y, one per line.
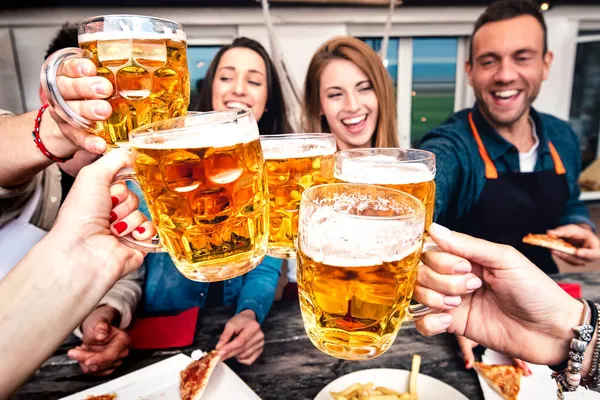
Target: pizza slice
pixel 194 378
pixel 110 396
pixel 550 242
pixel 504 379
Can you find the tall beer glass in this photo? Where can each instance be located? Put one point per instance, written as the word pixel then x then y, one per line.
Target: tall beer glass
pixel 408 170
pixel 294 163
pixel 145 60
pixel 204 181
pixel 358 251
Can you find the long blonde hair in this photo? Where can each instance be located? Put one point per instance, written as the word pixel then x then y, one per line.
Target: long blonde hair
pixel 358 52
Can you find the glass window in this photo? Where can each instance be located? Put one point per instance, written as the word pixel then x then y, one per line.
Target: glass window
pixel 392 54
pixel 433 83
pixel 199 58
pixel 585 99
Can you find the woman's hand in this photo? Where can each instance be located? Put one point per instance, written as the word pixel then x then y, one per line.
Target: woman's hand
pixel 95 213
pixel 242 338
pixel 515 308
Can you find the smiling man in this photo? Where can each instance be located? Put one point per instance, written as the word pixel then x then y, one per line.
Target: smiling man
pixel 503 169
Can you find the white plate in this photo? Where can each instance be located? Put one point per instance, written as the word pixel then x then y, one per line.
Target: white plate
pixel 161 381
pixel 539 385
pixel 428 388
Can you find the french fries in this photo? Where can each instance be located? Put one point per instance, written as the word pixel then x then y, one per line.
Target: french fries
pixel 369 391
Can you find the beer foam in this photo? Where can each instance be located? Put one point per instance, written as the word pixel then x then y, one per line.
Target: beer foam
pixel 197 136
pixel 128 35
pixel 295 148
pixel 330 236
pixel 383 170
pixel 140 31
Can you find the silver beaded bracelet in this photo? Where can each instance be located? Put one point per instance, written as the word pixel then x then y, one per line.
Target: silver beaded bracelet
pixel 593 380
pixel 570 379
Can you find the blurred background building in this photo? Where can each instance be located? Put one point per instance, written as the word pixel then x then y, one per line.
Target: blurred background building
pixel 427 48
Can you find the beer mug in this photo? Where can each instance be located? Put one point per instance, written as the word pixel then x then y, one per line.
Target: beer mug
pixel 204 181
pixel 145 60
pixel 408 170
pixel 294 163
pixel 358 254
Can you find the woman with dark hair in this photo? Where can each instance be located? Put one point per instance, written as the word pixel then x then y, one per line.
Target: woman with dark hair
pixel 243 75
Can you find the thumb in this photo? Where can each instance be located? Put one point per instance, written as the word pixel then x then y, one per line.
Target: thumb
pixel 106 167
pixel 566 231
pixel 466 348
pixel 228 332
pixel 488 254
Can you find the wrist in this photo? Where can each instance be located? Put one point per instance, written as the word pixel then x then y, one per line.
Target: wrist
pixel 569 317
pixel 65 253
pixel 109 313
pixel 53 138
pixel 249 313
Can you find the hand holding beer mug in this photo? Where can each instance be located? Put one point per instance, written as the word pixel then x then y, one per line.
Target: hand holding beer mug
pixel 408 170
pixel 358 253
pixel 294 163
pixel 145 60
pixel 204 180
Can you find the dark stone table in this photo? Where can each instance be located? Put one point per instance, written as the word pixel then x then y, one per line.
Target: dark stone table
pixel 290 366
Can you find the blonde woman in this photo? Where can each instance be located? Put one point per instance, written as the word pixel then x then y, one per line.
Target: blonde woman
pixel 349 93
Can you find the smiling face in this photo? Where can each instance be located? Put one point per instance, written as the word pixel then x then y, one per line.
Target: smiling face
pixel 508 68
pixel 349 104
pixel 240 81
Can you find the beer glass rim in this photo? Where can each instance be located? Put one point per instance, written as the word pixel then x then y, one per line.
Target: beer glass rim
pixel 153 128
pixel 278 136
pixel 344 154
pixel 132 16
pixel 420 210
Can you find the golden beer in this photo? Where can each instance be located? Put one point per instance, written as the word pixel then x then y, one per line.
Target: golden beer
pixel 150 80
pixel 145 59
pixel 358 251
pixel 206 191
pixel 408 170
pixel 294 163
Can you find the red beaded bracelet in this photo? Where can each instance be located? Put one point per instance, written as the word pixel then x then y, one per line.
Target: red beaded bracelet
pixel 38 140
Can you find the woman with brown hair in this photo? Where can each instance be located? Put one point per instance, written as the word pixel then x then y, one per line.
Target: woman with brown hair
pixel 348 92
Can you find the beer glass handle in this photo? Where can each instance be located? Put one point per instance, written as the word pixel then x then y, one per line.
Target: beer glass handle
pixel 418 311
pixel 127 174
pixel 48 77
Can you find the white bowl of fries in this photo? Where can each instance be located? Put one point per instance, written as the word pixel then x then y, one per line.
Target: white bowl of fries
pixel 388 384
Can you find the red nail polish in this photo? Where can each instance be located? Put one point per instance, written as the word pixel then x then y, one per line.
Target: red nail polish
pixel 467 364
pixel 114 200
pixel 113 217
pixel 120 226
pixel 140 229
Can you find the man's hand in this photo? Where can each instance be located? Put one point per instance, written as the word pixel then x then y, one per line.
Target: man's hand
pixel 249 339
pixel 104 345
pixel 586 241
pixel 85 93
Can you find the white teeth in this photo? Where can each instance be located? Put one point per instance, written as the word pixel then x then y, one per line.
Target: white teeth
pixel 355 120
pixel 235 104
pixel 505 94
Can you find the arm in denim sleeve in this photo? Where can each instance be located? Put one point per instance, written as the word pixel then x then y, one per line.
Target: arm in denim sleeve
pixel 445 146
pixel 258 290
pixel 576 211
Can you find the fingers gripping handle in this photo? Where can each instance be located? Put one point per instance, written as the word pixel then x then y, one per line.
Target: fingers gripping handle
pixel 127 174
pixel 48 77
pixel 418 311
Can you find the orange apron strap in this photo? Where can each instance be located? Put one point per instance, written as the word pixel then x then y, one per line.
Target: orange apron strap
pixel 558 164
pixel 490 168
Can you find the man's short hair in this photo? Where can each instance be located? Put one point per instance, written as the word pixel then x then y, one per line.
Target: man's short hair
pixel 501 10
pixel 65 37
